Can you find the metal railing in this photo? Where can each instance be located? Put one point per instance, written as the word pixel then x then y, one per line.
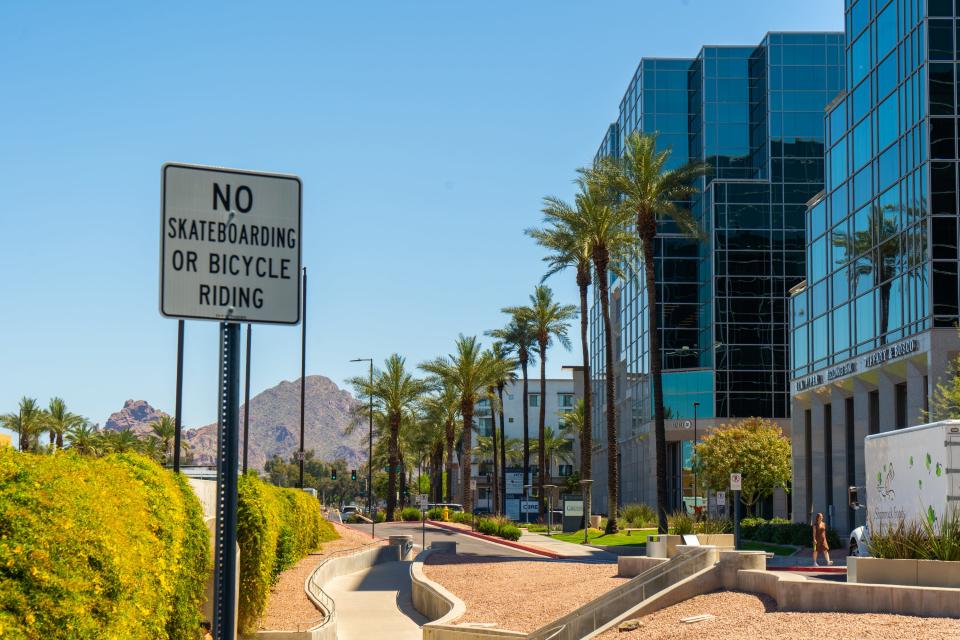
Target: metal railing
pixel 585 619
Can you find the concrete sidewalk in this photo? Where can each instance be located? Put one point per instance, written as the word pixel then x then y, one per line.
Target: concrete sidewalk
pixel 567 550
pixel 375 604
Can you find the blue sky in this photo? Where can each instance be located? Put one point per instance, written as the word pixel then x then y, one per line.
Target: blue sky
pixel 425 134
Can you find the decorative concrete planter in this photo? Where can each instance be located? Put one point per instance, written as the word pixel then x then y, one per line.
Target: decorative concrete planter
pixel 721 540
pixel 663 546
pixel 922 573
pixel 595 522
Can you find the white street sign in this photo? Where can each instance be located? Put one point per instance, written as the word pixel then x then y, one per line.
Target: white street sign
pixel 736 482
pixel 473 484
pixel 422 501
pixel 721 498
pixel 230 245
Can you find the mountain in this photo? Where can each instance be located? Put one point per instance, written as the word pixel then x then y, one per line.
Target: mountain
pixel 275 425
pixel 136 415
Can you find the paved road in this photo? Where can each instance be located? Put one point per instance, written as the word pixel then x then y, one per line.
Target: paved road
pixel 466 545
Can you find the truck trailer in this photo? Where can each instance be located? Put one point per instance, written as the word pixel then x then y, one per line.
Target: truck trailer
pixel 912 475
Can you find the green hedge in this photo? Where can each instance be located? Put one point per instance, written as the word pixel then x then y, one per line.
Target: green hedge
pixel 498 526
pixel 276 527
pixel 98 548
pixel 780 531
pixel 410 514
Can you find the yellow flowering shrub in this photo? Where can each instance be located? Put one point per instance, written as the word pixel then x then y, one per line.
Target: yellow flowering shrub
pixel 98 548
pixel 276 527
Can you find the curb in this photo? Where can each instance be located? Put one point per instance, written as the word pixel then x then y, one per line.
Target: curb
pixel 503 541
pixel 826 569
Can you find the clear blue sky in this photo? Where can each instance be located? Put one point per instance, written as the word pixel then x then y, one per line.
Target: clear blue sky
pixel 425 134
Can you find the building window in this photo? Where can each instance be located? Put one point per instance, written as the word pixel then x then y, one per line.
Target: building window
pixel 484 426
pixel 534 399
pixel 566 401
pixel 901 405
pixel 509 419
pixel 566 470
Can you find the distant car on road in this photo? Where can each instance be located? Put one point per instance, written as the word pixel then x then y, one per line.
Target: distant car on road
pixel 351 509
pixel 481 511
pixel 451 507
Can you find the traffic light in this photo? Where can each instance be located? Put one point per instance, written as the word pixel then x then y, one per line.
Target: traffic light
pixel 353 475
pixel 333 474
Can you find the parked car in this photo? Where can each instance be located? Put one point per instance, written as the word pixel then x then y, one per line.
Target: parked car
pixel 452 507
pixel 351 509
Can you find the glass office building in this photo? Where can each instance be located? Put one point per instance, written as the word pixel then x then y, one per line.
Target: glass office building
pixel 755 114
pixel 874 324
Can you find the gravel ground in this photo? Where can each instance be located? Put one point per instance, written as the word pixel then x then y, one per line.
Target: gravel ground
pixel 288 607
pixel 521 595
pixel 744 615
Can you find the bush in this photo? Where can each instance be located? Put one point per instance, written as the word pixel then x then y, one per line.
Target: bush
pixel 781 531
pixel 435 514
pixel 926 540
pixel 710 526
pixel 639 515
pixel 381 516
pixel 275 528
pixel 462 518
pixel 681 523
pixel 93 548
pixel 410 514
pixel 510 532
pixel 487 526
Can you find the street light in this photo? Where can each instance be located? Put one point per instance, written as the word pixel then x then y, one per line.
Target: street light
pixel 586 508
pixel 549 489
pixel 373 515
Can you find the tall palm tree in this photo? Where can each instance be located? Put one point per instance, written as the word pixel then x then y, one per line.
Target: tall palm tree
pixel 508 365
pixel 550 321
pixel 59 421
pixel 565 237
pixel 469 370
pixel 443 407
pixel 654 194
pixel 491 397
pixel 519 336
pixel 395 392
pixel 555 447
pixel 29 422
pixel 123 441
pixel 83 438
pixel 164 428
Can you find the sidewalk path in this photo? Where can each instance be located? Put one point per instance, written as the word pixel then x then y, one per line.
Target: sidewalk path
pixel 567 550
pixel 375 604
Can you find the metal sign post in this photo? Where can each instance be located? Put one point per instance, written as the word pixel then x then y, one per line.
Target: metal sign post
pixel 225 602
pixel 736 484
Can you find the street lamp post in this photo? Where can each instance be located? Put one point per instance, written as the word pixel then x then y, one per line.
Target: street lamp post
pixel 549 489
pixel 696 500
pixel 586 508
pixel 373 516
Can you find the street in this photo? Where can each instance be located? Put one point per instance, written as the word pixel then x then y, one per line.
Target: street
pixel 466 545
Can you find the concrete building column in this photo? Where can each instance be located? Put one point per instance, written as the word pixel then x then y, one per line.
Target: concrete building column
pixel 916 394
pixel 888 401
pixel 818 442
pixel 799 457
pixel 861 427
pixel 840 520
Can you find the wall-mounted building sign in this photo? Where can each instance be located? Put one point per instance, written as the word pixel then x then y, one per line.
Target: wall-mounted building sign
pixel 891 353
pixel 875 359
pixel 809 382
pixel 842 370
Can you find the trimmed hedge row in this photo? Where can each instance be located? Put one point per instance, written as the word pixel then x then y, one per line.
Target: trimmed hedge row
pixel 498 526
pixel 276 527
pixel 781 531
pixel 98 548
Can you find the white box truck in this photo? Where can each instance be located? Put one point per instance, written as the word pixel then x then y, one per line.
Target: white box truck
pixel 912 474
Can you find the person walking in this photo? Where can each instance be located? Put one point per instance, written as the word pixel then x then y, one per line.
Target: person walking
pixel 820 540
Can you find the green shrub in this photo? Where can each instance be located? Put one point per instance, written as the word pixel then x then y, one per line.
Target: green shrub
pixel 781 531
pixel 938 539
pixel 487 526
pixel 536 528
pixel 639 515
pixel 708 525
pixel 435 514
pixel 462 518
pixel 276 527
pixel 380 517
pixel 681 523
pixel 98 548
pixel 410 514
pixel 510 532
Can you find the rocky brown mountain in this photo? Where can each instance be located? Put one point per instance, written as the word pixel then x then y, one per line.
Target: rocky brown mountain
pixel 136 415
pixel 274 424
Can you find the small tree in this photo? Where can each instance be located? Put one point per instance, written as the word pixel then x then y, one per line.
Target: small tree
pixel 945 402
pixel 754 447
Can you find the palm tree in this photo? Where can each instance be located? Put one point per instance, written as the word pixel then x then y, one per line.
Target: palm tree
pixel 550 320
pixel 469 370
pixel 123 441
pixel 164 428
pixel 491 397
pixel 508 365
pixel 555 447
pixel 59 421
pixel 395 392
pixel 443 407
pixel 83 438
pixel 654 193
pixel 519 336
pixel 569 244
pixel 29 422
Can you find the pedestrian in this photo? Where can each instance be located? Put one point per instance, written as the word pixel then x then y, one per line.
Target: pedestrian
pixel 820 540
pixel 205 626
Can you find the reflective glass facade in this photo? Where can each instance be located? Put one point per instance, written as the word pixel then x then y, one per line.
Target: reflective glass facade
pixel 755 114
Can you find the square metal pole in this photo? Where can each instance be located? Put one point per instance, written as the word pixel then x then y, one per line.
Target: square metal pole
pixel 228 454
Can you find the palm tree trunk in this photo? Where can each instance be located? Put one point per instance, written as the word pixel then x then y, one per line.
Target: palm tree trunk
pixel 466 408
pixel 586 438
pixel 393 459
pixel 613 444
pixel 59 440
pixel 656 373
pixel 526 422
pixel 541 448
pixel 503 456
pixel 495 484
pixel 450 434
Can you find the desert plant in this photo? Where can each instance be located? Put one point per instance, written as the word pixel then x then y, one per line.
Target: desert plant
pixel 487 526
pixel 435 513
pixel 410 514
pixel 510 532
pixel 681 523
pixel 708 525
pixel 639 515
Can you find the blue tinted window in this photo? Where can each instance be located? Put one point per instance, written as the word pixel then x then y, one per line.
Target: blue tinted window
pixel 838 165
pixel 841 328
pixel 887 77
pixel 888 167
pixel 941 39
pixel 887 126
pixel 862 189
pixel 862 101
pixel 859 16
pixel 861 144
pixel 886 29
pixel 838 204
pixel 860 57
pixel 942 102
pixel 818 259
pixel 865 319
pixel 838 121
pixel 940 8
pixel 819 338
